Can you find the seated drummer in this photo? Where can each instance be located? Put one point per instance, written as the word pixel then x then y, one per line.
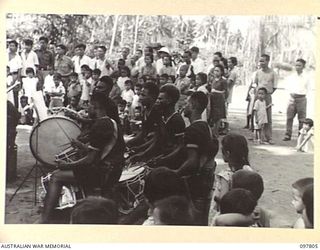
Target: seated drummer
pixel 100 168
pixel 197 163
pixel 170 127
pixel 144 138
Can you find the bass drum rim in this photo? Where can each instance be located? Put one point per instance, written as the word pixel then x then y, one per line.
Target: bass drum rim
pixel 33 151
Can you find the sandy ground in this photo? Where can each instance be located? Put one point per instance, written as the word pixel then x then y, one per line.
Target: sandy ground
pixel 279 165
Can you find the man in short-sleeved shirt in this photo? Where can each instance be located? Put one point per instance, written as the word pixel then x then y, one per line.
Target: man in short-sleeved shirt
pixel 29 58
pixel 80 58
pixel 63 64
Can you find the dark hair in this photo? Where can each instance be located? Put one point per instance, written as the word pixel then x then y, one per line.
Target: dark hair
pixel 237 146
pixel 138 85
pixel 29 70
pixel 43 38
pixel 248 180
pixel 238 200
pixel 233 60
pixel 171 91
pixel 170 59
pixel 307 199
pixel 74 74
pixel 122 102
pixel 96 72
pixel 85 67
pixel 95 210
pixel 203 77
pixel 28 42
pixel 57 76
pixel 267 57
pixel 302 61
pixel 308 121
pixel 187 52
pixel 199 100
pixel 166 76
pixel 126 68
pixel 13 42
pixel 81 46
pixel 218 53
pixel 149 48
pixel 302 184
pixel 102 47
pixel 151 57
pixel 128 82
pixel 108 83
pixel 62 46
pixel 195 49
pixel 140 50
pixel 264 89
pixel 152 88
pixel 162 182
pixel 175 210
pixel 221 69
pixel 24 98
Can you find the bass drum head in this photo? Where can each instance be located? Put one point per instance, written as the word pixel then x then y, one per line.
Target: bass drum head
pixel 52 136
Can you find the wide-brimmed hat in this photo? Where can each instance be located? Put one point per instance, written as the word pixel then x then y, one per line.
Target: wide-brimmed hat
pixel 165 50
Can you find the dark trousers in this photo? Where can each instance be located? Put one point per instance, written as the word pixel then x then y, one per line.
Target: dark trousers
pixel 296 105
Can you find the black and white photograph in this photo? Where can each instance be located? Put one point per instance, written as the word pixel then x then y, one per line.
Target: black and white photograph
pixel 181 120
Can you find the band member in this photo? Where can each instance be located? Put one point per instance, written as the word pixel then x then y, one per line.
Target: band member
pixel 103 162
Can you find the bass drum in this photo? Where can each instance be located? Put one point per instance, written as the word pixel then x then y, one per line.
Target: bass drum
pixel 52 136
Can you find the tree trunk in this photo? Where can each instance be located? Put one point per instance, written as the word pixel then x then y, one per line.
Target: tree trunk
pixel 121 36
pixel 113 34
pixel 136 34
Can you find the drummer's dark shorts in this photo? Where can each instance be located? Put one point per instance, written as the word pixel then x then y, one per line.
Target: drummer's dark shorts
pixel 95 176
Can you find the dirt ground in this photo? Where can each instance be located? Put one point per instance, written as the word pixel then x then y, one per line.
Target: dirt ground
pixel 279 165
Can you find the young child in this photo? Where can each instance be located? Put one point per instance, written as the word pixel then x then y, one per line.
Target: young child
pixel 48 85
pixel 183 84
pixel 252 182
pixel 173 210
pixel 86 85
pixel 74 103
pixel 305 136
pixel 148 69
pixel 127 94
pixel 235 152
pixel 124 76
pixel 57 92
pixel 218 95
pixel 29 84
pixel 137 92
pixel 163 79
pixel 307 213
pixel 239 201
pixel 74 88
pixel 260 116
pixel 298 188
pixel 250 99
pixel 96 73
pixel 167 68
pixel 95 210
pixel 25 111
pixel 161 183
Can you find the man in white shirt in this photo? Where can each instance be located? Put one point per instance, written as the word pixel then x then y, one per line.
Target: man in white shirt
pixel 164 51
pixel 29 57
pixel 196 62
pixel 80 58
pixel 299 85
pixel 101 62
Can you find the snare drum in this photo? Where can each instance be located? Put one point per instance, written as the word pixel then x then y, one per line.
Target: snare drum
pixel 130 188
pixel 52 137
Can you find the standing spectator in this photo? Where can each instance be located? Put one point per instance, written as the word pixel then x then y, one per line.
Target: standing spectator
pixel 124 55
pixel 196 62
pixel 63 64
pixel 267 78
pixel 167 67
pixel 29 58
pixel 299 85
pixel 186 58
pixel 15 65
pixel 80 58
pixel 86 85
pixel 100 61
pixel 45 57
pixel 57 92
pixel 29 83
pixel 148 69
pixel 217 56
